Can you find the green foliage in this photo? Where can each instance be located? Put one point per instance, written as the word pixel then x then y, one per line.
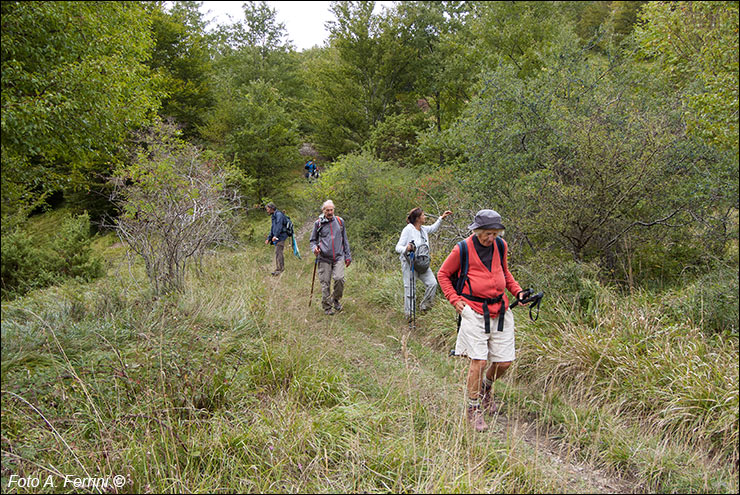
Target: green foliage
pixel 254 48
pixel 710 302
pixel 395 139
pixel 440 149
pixel 74 83
pixel 586 151
pixel 438 37
pixel 33 261
pixel 380 64
pixel 255 84
pixel 624 16
pixel 591 18
pixel 181 55
pixel 372 196
pixel 518 33
pixel 368 46
pixel 666 261
pixel 259 28
pixel 258 132
pixel 332 112
pixel 696 45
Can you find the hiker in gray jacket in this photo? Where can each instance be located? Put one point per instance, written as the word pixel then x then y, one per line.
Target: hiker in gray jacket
pixel 330 245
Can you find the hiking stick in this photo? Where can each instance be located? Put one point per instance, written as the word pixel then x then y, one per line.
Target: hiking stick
pixel 313 280
pixel 412 290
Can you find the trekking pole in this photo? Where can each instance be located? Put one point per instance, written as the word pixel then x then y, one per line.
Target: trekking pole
pixel 412 323
pixel 313 280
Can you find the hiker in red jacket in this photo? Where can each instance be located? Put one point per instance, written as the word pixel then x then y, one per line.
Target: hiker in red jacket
pixel 485 334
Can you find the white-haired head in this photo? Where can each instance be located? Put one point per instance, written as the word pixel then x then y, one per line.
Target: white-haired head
pixel 328 202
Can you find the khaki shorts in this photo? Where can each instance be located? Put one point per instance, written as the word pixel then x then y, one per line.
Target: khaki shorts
pixel 474 342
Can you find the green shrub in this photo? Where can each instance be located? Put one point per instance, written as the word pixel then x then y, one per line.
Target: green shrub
pixel 395 138
pixel 22 265
pixel 711 301
pixel 30 261
pixel 664 261
pixel 372 196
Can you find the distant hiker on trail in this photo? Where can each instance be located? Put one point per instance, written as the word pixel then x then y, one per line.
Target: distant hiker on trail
pixel 278 234
pixel 414 236
pixel 330 245
pixel 312 170
pixel 479 298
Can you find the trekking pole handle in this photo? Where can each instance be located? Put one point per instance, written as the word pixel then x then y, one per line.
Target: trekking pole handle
pixel 526 297
pixel 529 298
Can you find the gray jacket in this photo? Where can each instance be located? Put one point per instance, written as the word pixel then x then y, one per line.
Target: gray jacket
pixel 331 237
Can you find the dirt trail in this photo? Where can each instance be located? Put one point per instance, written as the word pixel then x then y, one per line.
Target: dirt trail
pixel 573 475
pixel 577 477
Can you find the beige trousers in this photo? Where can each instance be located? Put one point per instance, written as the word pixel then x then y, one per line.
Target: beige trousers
pixel 327 272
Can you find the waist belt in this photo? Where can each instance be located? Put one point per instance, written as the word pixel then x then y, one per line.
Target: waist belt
pixel 486 314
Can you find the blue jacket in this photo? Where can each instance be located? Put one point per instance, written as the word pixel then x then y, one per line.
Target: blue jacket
pixel 278 226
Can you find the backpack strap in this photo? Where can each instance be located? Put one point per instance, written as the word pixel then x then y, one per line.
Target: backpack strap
pixel 462 274
pixel 464 263
pixel 339 219
pixel 500 246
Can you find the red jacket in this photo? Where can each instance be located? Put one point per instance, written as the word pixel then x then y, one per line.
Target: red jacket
pixel 484 283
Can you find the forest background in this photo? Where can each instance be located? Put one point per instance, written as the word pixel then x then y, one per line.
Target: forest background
pixel 605 133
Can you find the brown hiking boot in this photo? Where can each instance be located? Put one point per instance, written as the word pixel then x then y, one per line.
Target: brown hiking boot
pixel 488 405
pixel 475 417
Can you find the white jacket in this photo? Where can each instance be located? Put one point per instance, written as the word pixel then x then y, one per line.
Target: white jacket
pixel 409 233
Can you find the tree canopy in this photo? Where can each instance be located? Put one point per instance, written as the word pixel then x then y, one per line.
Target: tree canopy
pixel 597 124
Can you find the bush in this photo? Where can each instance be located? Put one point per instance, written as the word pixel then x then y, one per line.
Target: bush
pixel 175 205
pixel 395 138
pixel 372 196
pixel 664 262
pixel 711 301
pixel 29 262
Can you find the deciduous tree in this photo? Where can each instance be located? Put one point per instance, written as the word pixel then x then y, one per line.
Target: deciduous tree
pixel 74 83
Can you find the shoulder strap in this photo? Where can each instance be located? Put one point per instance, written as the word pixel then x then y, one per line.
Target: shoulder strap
pixel 339 219
pixel 463 274
pixel 500 246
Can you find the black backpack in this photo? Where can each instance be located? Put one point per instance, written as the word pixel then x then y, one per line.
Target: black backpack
pixel 288 225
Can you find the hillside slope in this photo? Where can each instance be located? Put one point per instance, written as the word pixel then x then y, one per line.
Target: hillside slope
pixel 237 385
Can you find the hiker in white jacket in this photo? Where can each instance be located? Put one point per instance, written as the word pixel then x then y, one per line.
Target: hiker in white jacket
pixel 417 232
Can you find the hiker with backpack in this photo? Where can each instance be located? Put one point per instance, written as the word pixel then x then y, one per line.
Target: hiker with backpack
pixel 474 278
pixel 330 245
pixel 277 236
pixel 312 171
pixel 415 239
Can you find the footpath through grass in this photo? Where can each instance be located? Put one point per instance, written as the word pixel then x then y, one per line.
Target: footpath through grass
pixel 237 386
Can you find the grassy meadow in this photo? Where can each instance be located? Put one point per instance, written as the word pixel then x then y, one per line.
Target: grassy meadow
pixel 237 385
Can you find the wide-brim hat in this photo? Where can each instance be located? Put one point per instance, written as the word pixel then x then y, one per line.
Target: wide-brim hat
pixel 486 219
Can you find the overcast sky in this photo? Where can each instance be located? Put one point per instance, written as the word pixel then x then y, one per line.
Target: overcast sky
pixel 304 21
